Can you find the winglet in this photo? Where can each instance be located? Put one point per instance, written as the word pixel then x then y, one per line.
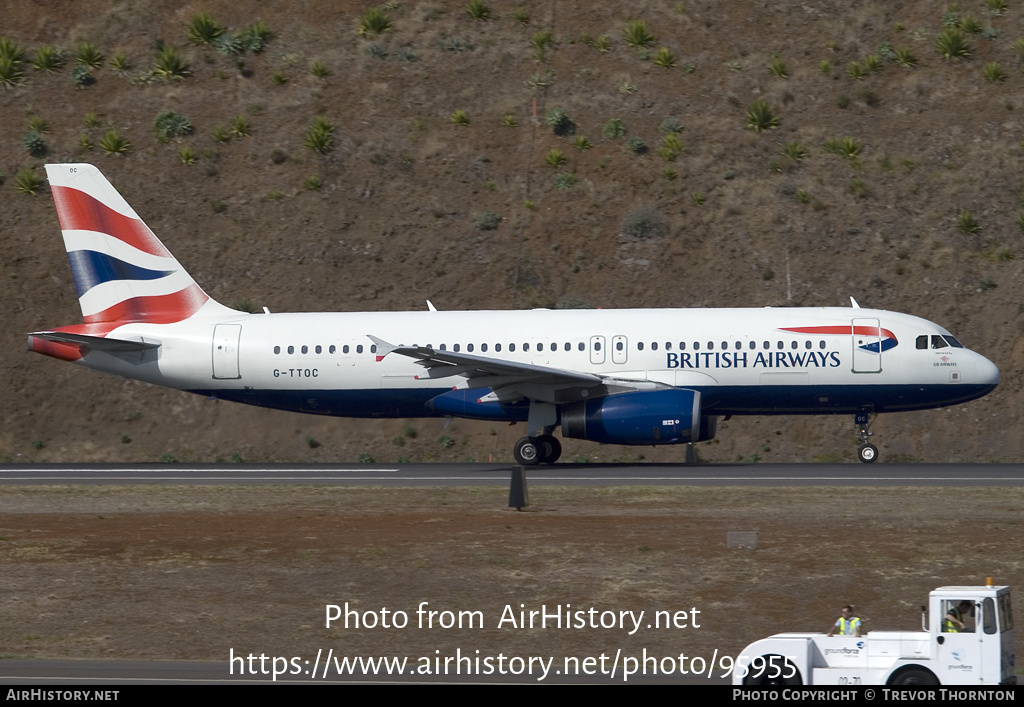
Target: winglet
pixel 383 347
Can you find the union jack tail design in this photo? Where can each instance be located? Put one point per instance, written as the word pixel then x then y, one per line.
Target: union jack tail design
pixel 122 272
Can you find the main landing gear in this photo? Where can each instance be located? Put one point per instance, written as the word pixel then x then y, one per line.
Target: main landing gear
pixel 867 452
pixel 543 449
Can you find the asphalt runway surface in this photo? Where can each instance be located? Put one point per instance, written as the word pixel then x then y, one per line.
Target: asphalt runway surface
pixel 106 673
pixel 499 474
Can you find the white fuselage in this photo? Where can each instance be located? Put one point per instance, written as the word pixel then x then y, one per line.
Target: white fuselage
pixel 744 361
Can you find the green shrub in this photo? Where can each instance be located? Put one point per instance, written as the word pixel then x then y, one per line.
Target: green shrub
pixel 636 145
pixel 581 143
pixel 240 126
pixel 319 69
pixel 375 20
pixel 777 68
pixel 555 158
pixel 89 55
pixel 794 151
pixel 670 125
pixel 27 181
pixel 34 144
pixel 487 220
pixel 11 51
pixel 113 143
pixel 186 155
pixel 278 78
pixel 48 59
pixel 613 129
pixel 478 10
pixel 644 222
pixel 377 51
pixel 169 124
pixel 520 16
pixel 320 135
pixel 856 71
pixel 905 58
pixel 203 29
pixel 966 223
pixel 81 76
pixel 11 72
pixel 460 117
pixel 844 147
pixel 229 44
pixel 254 37
pixel 120 64
pixel 38 124
pixel 637 35
pixel 993 72
pixel 170 65
pixel 565 180
pixel 952 45
pixel 760 117
pixel 313 183
pixel 91 120
pixel 664 58
pixel 671 147
pixel 560 123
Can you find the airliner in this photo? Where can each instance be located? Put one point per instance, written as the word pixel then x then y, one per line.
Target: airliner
pixel 629 377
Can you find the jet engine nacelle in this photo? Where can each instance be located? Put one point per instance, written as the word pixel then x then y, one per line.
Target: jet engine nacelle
pixel 646 417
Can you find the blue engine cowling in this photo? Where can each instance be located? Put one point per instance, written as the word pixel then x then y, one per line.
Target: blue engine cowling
pixel 644 417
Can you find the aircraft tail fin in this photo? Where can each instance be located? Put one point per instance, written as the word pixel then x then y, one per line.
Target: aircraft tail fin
pixel 122 272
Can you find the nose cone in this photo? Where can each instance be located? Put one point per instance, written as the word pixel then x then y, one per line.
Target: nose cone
pixel 986 373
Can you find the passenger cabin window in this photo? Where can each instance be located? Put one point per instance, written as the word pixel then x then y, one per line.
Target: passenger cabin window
pixel 359 348
pixel 582 346
pixel 497 347
pixel 344 349
pixel 332 349
pixel 654 346
pixel 305 349
pixel 277 349
pixel 291 349
pixel 639 346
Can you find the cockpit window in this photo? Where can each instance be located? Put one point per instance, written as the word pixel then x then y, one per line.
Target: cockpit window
pixel 953 342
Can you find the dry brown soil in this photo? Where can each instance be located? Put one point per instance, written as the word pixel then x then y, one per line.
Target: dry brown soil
pixel 191 573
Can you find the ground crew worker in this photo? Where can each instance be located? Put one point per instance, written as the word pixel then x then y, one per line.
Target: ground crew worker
pixel 847 624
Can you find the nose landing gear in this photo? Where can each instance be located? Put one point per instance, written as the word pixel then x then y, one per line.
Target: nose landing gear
pixel 867 452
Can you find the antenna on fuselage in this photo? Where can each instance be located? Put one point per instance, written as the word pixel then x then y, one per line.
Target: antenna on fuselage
pixel 430 306
pixel 853 303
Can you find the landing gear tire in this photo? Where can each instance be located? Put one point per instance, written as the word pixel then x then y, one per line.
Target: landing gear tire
pixel 550 449
pixel 527 451
pixel 867 453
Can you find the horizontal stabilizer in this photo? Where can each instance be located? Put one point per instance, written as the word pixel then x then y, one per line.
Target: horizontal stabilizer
pixel 96 343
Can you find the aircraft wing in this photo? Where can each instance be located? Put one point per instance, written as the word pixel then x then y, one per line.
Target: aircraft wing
pixel 509 380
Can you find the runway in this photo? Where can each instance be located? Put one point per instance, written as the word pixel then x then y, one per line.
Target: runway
pixel 478 474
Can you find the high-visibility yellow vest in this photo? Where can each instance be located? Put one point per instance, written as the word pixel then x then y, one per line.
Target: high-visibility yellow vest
pixel 848 627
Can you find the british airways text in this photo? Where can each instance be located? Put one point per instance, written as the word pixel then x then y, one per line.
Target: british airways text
pixel 770 359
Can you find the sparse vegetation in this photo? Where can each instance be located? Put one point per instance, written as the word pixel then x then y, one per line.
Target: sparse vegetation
pixel 460 117
pixel 89 55
pixel 313 183
pixel 240 126
pixel 319 136
pixel 613 129
pixel 521 16
pixel 555 158
pixel 966 223
pixel 664 58
pixel 487 220
pixel 581 143
pixel 203 29
pixel 905 58
pixel 186 155
pixel 374 21
pixel 478 10
pixel 777 68
pixel 637 35
pixel 114 144
pixel 994 73
pixel 81 76
pixel 319 69
pixel 170 65
pixel 636 145
pixel 119 64
pixel 565 180
pixel 48 58
pixel 844 147
pixel 671 147
pixel 34 144
pixel 169 124
pixel 644 222
pixel 953 45
pixel 794 151
pixel 559 122
pixel 760 117
pixel 27 181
